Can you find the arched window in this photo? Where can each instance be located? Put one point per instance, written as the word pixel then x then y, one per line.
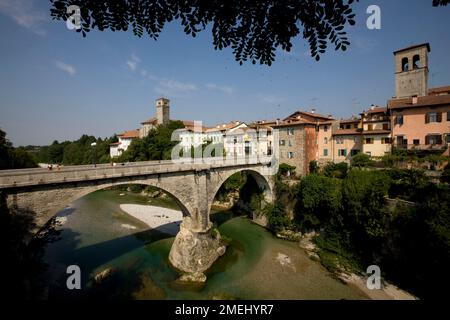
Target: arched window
pixel 405 64
pixel 416 62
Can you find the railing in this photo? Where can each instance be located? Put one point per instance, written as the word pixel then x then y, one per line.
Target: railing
pixel 421 147
pixel 27 177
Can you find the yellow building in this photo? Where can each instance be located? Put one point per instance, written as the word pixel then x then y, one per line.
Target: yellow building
pixel 376 132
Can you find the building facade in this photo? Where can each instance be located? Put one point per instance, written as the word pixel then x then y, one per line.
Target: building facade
pixel 419 116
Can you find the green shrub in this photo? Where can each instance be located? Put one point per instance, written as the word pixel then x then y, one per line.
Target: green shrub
pixel 336 170
pixel 286 170
pixel 362 160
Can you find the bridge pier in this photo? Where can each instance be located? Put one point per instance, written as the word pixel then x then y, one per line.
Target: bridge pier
pixel 197 246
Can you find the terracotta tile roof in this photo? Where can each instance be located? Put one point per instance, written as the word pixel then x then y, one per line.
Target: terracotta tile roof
pixel 150 121
pixel 414 47
pixel 347 132
pixel 421 102
pixel 225 126
pixel 292 122
pixel 439 90
pixel 377 109
pixel 129 134
pixel 190 126
pixel 314 115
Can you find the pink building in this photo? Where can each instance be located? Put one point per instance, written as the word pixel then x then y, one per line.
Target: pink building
pixel 420 117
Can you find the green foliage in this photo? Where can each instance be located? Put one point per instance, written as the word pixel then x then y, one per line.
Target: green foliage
pixel 363 194
pixel 319 199
pixel 254 29
pixel 157 145
pixel 362 160
pixel 14 158
pixel 286 170
pixel 233 184
pixel 408 184
pixel 76 152
pixel 336 170
pixel 277 219
pixel 445 176
pixel 313 167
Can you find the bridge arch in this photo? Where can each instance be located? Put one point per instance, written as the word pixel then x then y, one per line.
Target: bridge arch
pixel 263 182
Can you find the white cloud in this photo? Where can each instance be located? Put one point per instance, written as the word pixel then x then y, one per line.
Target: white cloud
pixel 269 98
pixel 66 68
pixel 25 14
pixel 173 87
pixel 133 62
pixel 224 89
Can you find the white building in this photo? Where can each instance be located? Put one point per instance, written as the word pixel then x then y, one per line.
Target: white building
pixel 125 139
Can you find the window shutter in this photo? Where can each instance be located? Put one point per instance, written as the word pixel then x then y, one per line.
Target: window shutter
pixel 427 140
pixel 427 119
pixel 439 117
pixel 439 139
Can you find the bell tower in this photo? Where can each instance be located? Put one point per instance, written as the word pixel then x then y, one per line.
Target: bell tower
pixel 162 110
pixel 411 71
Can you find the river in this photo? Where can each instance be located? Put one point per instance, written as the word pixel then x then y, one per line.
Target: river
pixel 97 235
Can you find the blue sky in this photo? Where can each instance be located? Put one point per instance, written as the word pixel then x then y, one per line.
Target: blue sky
pixel 54 84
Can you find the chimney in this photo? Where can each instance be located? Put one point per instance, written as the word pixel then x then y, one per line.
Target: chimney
pixel 313 110
pixel 278 121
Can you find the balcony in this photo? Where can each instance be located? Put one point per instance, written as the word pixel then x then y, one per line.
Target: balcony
pixel 421 147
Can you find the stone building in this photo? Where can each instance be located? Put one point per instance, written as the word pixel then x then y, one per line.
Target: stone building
pixel 162 117
pixel 298 139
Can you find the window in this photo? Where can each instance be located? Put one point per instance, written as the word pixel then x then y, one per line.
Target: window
pixel 416 142
pixel 433 139
pixel 339 140
pixel 416 62
pixel 290 155
pixel 282 142
pixel 348 126
pixel 448 115
pixel 399 119
pixel 405 64
pixel 369 141
pixel 385 140
pixel 433 117
pixel 448 138
pixel 370 127
pixel 325 128
pixel 369 153
pixel 385 126
pixel 289 143
pixel 342 152
pixel 325 140
pixel 325 152
pixel 290 132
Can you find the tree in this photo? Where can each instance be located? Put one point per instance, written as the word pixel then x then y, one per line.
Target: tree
pixel 14 158
pixel 254 29
pixel 319 199
pixel 361 160
pixel 336 170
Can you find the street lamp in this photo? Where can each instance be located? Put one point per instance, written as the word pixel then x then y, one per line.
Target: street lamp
pixel 94 155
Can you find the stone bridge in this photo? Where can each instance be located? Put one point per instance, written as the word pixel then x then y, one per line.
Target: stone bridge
pixel 193 183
